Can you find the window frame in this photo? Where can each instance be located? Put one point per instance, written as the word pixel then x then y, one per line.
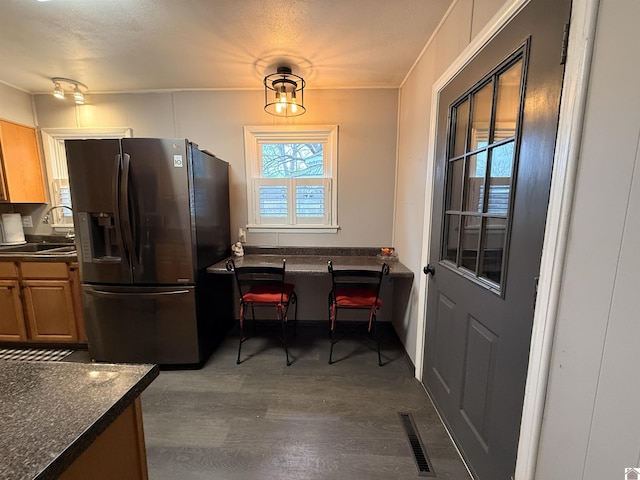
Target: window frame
pixel 254 137
pixel 54 153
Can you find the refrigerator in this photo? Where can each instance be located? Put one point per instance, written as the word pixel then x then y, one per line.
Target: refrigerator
pixel 150 216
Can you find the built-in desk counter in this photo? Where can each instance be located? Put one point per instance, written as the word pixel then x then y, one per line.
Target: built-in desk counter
pixel 307 268
pixel 313 260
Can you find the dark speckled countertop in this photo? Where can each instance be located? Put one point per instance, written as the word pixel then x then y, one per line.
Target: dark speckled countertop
pixel 39 257
pixel 50 412
pixel 313 260
pixel 6 255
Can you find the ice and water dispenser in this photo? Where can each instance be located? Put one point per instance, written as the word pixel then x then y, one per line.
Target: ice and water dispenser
pixel 99 238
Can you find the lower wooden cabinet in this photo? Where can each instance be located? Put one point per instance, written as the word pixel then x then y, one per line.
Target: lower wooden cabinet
pixel 12 324
pixel 118 452
pixel 41 302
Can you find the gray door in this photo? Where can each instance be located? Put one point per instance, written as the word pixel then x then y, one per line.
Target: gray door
pixel 497 125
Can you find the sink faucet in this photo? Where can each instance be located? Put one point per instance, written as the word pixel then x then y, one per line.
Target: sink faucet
pixel 45 218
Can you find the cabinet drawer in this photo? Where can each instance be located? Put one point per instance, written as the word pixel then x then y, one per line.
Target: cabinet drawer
pixel 8 270
pixel 44 270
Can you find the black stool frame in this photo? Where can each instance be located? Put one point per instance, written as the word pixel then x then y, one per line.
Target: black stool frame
pixel 255 281
pixel 354 283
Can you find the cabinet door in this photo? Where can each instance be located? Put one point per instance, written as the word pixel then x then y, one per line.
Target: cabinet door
pixel 50 311
pixel 23 180
pixel 12 326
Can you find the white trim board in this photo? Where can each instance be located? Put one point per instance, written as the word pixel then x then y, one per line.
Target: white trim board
pixel 583 22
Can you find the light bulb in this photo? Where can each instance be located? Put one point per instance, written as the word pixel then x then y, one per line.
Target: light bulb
pixel 294 105
pixel 78 96
pixel 58 92
pixel 278 107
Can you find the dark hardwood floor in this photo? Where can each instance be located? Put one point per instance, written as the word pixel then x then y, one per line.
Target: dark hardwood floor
pixel 264 420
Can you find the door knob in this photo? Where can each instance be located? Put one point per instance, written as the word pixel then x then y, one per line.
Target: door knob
pixel 429 270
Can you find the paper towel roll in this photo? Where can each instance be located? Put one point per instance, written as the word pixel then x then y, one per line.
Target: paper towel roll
pixel 12 232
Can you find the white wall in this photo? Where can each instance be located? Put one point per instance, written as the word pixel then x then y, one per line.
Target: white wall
pixel 15 106
pixel 215 120
pixel 592 414
pixel 464 21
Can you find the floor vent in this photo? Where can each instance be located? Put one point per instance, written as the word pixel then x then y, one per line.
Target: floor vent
pixel 415 442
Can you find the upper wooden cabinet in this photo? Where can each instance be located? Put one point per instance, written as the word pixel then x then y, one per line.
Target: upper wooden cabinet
pixel 21 175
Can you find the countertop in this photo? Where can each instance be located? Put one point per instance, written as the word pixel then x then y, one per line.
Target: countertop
pixel 50 412
pixel 6 255
pixel 38 257
pixel 313 260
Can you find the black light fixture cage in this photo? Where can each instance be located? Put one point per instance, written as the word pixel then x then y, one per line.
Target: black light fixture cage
pixel 284 93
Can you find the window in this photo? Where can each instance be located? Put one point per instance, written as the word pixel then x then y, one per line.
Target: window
pixel 480 175
pixel 291 178
pixel 56 163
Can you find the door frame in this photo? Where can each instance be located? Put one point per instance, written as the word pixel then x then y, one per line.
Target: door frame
pixel 573 100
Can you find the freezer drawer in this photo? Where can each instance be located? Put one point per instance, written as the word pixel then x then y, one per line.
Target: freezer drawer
pixel 141 324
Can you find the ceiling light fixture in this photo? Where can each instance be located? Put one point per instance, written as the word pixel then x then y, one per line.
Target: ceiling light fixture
pixel 60 85
pixel 58 92
pixel 284 93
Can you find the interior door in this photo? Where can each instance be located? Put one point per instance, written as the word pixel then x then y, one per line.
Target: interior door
pixel 497 125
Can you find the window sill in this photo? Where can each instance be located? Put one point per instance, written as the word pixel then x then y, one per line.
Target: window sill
pixel 293 228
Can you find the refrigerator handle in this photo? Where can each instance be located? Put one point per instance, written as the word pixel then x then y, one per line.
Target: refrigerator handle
pixel 124 211
pixel 116 199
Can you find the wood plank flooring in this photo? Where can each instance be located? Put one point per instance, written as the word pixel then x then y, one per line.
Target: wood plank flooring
pixel 263 420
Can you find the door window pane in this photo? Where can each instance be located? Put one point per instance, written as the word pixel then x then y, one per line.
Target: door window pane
pixel 461 115
pixel 450 244
pixel 500 179
pixel 481 117
pixel 470 237
pixel 508 98
pixel 494 237
pixel 454 182
pixel 474 181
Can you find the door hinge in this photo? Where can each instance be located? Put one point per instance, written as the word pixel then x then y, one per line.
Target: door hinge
pixel 565 44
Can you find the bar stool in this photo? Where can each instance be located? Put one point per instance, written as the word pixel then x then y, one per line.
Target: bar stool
pixel 264 286
pixel 355 289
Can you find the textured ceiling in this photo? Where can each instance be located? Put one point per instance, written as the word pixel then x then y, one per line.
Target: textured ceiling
pixel 143 45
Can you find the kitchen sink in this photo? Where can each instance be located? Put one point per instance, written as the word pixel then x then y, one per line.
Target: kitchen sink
pixel 65 250
pixel 39 248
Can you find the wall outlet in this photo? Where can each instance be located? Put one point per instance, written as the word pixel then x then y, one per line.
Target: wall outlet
pixel 242 235
pixel 27 221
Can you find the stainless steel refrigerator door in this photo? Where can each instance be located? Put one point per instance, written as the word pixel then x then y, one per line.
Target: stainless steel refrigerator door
pixel 95 179
pixel 159 210
pixel 141 324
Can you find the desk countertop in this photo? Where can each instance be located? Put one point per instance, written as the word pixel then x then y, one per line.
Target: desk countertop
pixel 50 412
pixel 315 264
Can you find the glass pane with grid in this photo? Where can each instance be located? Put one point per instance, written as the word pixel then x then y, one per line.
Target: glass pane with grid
pixel 480 172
